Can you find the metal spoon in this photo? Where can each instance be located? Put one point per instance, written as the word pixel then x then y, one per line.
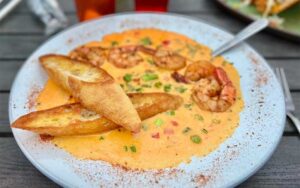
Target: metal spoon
pixel 247 32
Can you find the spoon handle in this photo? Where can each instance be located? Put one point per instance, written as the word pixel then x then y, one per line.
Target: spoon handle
pixel 247 32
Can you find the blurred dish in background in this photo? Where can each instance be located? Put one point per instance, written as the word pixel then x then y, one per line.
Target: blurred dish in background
pixel 156 5
pixel 284 15
pixel 91 9
pixel 271 7
pixel 50 13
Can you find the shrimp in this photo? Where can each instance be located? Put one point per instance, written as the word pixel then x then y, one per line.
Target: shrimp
pixel 125 56
pixel 215 93
pixel 94 55
pixel 165 58
pixel 197 70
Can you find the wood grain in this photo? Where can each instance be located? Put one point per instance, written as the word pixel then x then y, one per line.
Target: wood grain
pixel 19 46
pixel 281 170
pixel 8 71
pixel 12 23
pixel 16 171
pixel 188 6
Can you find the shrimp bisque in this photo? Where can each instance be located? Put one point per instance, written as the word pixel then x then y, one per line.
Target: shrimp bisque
pixel 166 139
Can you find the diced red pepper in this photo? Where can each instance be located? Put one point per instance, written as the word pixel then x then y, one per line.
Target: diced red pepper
pixel 155 135
pixel 166 42
pixel 168 131
pixel 174 123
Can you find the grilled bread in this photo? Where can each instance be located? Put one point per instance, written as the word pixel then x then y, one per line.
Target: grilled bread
pixel 70 119
pixel 94 88
pixel 73 119
pixel 150 104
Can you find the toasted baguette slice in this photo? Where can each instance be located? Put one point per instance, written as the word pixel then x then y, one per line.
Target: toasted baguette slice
pixel 150 104
pixel 73 119
pixel 94 88
pixel 70 119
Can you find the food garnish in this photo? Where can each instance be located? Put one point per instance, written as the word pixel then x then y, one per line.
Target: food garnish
pixel 149 77
pixel 127 77
pixel 196 139
pixel 158 122
pixel 186 130
pixel 204 131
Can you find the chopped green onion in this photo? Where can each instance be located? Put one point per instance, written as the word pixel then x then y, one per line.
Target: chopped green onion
pixel 198 117
pixel 171 113
pixel 186 130
pixel 158 122
pixel 101 138
pixel 126 148
pixel 133 149
pixel 188 106
pixel 114 43
pixel 127 77
pixel 167 88
pixel 180 89
pixel 204 131
pixel 146 85
pixel 146 41
pixel 149 76
pixel 139 89
pixel 216 121
pixel 196 139
pixel 150 61
pixel 158 84
pixel 144 127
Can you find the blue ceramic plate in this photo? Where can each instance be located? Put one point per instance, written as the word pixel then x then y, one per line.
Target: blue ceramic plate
pixel 240 156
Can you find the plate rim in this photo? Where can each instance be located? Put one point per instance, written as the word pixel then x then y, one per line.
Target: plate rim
pixel 60 181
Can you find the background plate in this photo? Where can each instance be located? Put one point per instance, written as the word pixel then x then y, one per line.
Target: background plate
pixel 261 124
pixel 289 29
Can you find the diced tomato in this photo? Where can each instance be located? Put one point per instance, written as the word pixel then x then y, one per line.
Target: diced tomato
pixel 168 131
pixel 174 123
pixel 166 42
pixel 155 135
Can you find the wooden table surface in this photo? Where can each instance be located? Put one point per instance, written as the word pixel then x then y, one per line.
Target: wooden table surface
pixel 21 33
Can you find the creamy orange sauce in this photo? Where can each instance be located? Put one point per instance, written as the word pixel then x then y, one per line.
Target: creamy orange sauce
pixel 165 139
